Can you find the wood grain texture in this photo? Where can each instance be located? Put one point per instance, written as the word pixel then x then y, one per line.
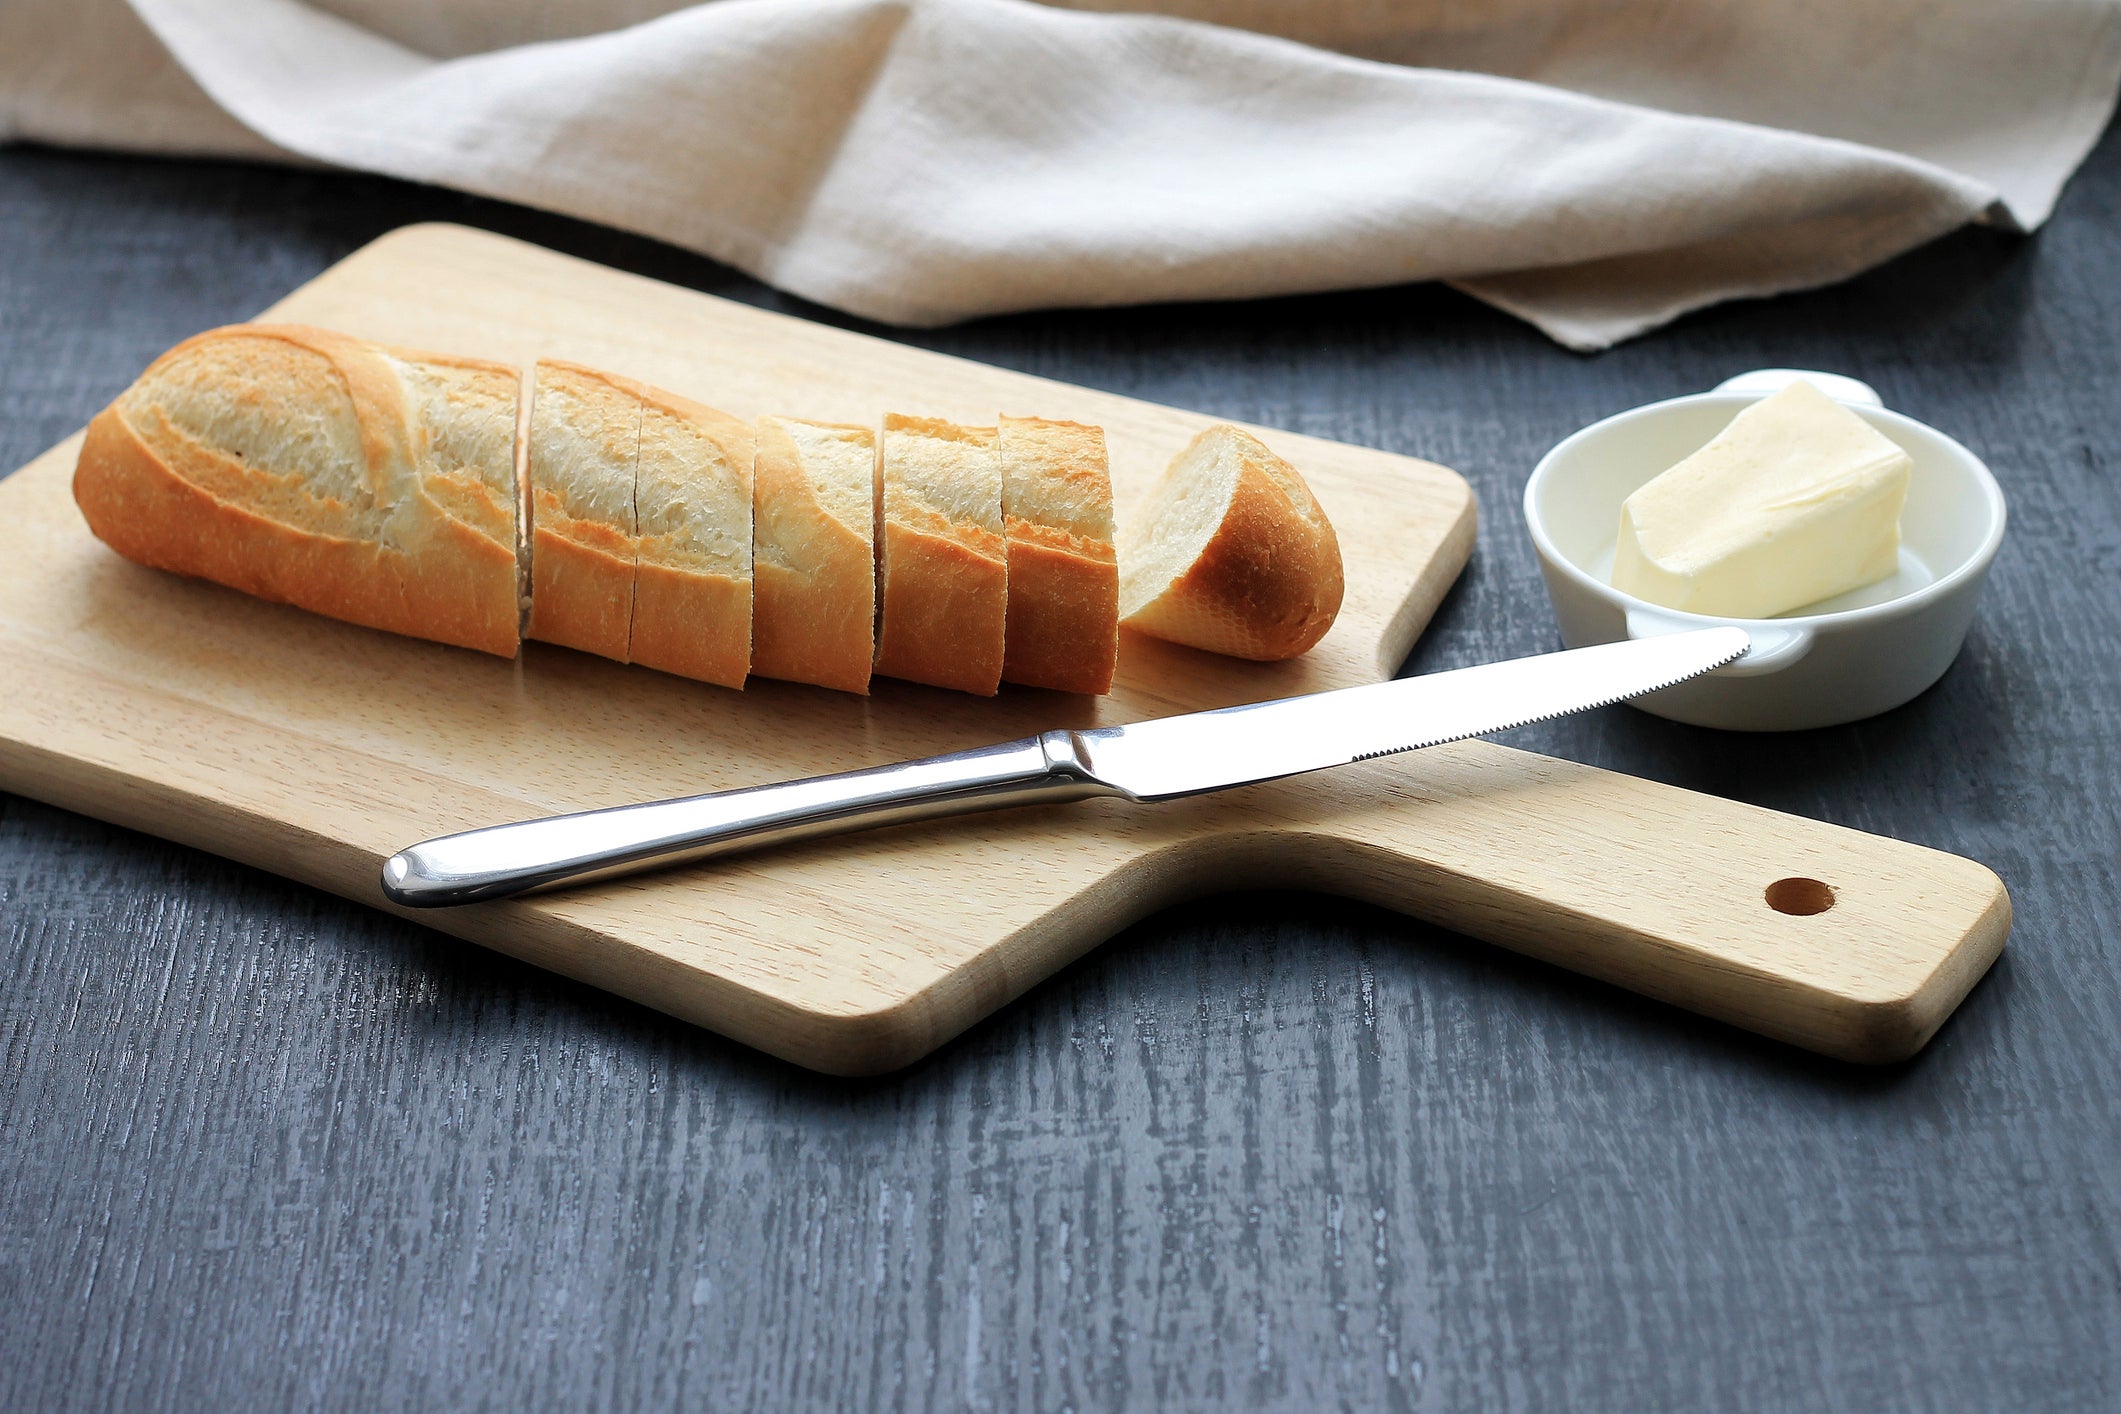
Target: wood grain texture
pixel 316 750
pixel 262 1147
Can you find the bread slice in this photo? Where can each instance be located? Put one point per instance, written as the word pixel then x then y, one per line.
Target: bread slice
pixel 943 574
pixel 692 513
pixel 1063 620
pixel 302 466
pixel 1231 553
pixel 814 553
pixel 585 438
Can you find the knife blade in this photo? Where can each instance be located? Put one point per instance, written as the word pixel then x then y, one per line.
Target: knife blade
pixel 1161 759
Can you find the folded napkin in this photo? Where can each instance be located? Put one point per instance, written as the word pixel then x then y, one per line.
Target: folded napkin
pixel 1595 167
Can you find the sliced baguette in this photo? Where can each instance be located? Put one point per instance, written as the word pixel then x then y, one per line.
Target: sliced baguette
pixel 943 576
pixel 1063 620
pixel 814 553
pixel 1231 553
pixel 585 438
pixel 692 512
pixel 302 466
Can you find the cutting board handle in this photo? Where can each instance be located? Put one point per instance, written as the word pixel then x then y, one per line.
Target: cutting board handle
pixel 1851 944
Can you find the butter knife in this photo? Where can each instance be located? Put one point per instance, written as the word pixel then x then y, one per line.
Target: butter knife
pixel 1162 759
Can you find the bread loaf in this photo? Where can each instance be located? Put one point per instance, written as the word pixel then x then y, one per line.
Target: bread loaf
pixel 302 466
pixel 1063 620
pixel 440 497
pixel 814 553
pixel 943 578
pixel 692 514
pixel 1231 553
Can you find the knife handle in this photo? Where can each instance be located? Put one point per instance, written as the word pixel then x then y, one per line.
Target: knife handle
pixel 501 860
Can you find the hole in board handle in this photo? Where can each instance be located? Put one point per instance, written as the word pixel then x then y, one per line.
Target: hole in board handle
pixel 1801 897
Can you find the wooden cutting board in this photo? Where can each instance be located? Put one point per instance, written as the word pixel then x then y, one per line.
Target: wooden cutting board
pixel 315 749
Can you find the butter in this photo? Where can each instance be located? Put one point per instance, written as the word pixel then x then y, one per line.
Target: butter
pixel 1797 500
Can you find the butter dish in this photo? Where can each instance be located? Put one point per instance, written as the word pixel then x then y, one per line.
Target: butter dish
pixel 1843 659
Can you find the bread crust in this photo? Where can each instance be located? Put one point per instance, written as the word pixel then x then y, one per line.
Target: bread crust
pixel 814 571
pixel 696 626
pixel 581 591
pixel 692 592
pixel 943 581
pixel 1063 620
pixel 1268 583
pixel 424 550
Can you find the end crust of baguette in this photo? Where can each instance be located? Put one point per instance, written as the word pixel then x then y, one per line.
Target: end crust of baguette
pixel 1231 553
pixel 389 501
pixel 1063 620
pixel 943 578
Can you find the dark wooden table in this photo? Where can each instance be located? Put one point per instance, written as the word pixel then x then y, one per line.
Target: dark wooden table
pixel 261 1148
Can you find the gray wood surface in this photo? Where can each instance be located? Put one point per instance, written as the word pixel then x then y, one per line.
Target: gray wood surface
pixel 260 1148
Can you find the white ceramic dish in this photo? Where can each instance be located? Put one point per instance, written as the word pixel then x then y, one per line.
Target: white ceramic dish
pixel 1842 659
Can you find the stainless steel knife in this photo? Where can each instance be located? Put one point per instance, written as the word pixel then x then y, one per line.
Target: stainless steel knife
pixel 1163 759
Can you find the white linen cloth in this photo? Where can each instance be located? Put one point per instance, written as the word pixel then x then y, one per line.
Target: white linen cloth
pixel 1595 166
